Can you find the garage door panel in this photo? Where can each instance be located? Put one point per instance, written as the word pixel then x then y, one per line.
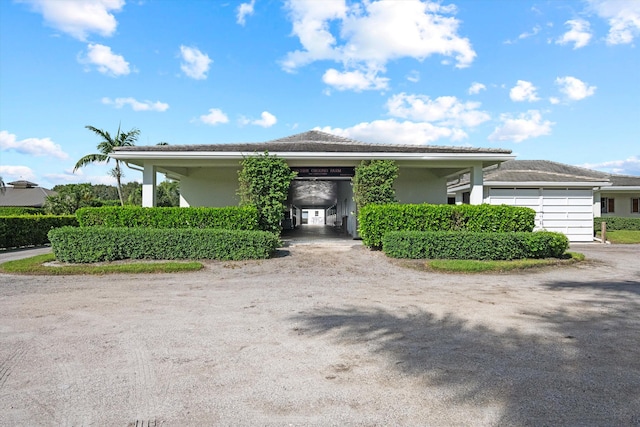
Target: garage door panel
pixel 563 210
pixel 569 209
pixel 550 216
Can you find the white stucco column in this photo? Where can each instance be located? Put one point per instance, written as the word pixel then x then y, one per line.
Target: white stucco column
pixel 149 185
pixel 477 190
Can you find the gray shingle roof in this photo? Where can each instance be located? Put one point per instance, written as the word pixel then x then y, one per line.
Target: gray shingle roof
pixel 31 197
pixel 523 171
pixel 541 170
pixel 314 141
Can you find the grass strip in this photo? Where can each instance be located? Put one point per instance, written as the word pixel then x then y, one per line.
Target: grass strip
pixel 36 266
pixel 623 236
pixel 474 266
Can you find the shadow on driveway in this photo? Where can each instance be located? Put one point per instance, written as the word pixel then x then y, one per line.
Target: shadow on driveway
pixel 582 370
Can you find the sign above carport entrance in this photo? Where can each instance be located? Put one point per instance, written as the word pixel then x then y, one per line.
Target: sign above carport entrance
pixel 324 172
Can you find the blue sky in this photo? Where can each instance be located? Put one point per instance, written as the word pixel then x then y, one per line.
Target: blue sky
pixel 555 80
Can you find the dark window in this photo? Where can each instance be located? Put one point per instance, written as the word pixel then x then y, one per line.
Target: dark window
pixel 607 205
pixel 466 197
pixel 451 200
pixel 635 205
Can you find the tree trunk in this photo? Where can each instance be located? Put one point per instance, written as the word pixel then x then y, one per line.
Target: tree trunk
pixel 119 186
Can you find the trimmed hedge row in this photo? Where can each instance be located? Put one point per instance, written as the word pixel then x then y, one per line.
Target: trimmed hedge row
pixel 472 245
pixel 17 211
pixel 616 223
pixel 229 218
pixel 30 230
pixel 377 220
pixel 95 244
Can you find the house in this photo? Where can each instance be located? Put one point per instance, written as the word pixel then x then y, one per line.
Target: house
pixel 566 198
pixel 24 194
pixel 324 163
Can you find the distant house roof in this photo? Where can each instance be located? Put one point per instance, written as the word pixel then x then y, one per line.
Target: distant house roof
pixel 24 194
pixel 523 172
pixel 311 141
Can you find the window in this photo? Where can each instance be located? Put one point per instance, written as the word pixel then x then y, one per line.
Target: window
pixel 607 205
pixel 635 205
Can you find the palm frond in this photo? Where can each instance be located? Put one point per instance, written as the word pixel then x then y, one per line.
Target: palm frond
pixel 90 158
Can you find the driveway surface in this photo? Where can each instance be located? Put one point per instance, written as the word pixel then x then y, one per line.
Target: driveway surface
pixel 326 335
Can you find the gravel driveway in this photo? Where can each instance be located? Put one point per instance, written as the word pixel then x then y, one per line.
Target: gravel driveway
pixel 326 335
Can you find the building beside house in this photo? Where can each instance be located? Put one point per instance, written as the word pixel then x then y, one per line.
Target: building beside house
pixel 325 164
pixel 566 198
pixel 24 194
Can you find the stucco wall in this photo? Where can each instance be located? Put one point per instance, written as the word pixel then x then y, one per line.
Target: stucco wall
pixel 418 185
pixel 622 203
pixel 210 187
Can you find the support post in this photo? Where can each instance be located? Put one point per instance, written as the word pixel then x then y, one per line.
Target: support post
pixel 149 185
pixel 477 189
pixel 603 232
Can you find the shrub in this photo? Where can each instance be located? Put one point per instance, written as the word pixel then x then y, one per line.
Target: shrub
pixel 230 218
pixel 474 245
pixel 373 182
pixel 376 220
pixel 95 244
pixel 264 182
pixel 616 223
pixel 17 211
pixel 30 230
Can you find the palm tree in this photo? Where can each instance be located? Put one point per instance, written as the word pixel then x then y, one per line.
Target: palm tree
pixel 106 146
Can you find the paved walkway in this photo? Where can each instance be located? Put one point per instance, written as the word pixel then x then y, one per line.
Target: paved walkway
pixel 317 235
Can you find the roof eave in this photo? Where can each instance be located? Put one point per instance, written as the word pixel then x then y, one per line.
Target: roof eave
pixel 132 156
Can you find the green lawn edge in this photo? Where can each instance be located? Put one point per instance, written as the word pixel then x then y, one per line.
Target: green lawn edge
pixel 36 266
pixel 623 237
pixel 477 266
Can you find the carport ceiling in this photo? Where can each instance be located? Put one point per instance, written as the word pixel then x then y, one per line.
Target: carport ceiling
pixel 313 194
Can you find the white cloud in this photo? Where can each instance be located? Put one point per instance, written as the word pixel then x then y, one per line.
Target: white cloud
pixel 575 89
pixel 553 100
pixel 136 105
pixel 534 31
pixel 99 174
pixel 266 120
pixel 392 131
pixel 354 80
pixel 106 61
pixel 195 63
pixel 38 147
pixel 214 117
pixel 79 18
pixel 579 33
pixel 243 10
pixel 623 17
pixel 372 33
pixel 524 126
pixel 476 87
pixel 11 173
pixel 630 166
pixel 523 91
pixel 444 110
pixel 413 76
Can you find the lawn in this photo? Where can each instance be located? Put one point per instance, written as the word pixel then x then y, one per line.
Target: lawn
pixel 475 266
pixel 46 265
pixel 623 236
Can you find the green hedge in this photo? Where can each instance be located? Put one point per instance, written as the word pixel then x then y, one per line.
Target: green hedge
pixel 30 230
pixel 377 220
pixel 616 223
pixel 229 218
pixel 95 244
pixel 473 245
pixel 17 211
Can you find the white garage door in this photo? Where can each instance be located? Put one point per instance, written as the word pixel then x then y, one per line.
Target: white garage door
pixel 566 210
